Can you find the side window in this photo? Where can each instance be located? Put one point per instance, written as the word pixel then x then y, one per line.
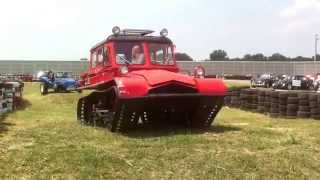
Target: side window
pixel 100 57
pixel 105 56
pixel 161 54
pixel 93 59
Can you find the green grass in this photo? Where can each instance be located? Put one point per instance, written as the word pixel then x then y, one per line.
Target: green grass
pixel 44 141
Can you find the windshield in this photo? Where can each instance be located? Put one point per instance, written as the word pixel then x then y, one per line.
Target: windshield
pixel 161 54
pixel 264 76
pixel 300 77
pixel 129 53
pixel 63 75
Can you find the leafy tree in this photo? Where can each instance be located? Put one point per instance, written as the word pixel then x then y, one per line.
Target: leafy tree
pixel 247 57
pixel 254 57
pixel 259 57
pixel 301 58
pixel 183 57
pixel 218 55
pixel 277 57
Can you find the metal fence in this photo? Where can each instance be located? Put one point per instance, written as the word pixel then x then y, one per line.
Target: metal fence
pixel 253 68
pixel 212 68
pixel 32 67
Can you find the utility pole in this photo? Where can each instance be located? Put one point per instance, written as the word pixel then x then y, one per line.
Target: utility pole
pixel 316 47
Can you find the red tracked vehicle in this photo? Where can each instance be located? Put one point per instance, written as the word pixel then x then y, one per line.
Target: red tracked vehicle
pixel 137 82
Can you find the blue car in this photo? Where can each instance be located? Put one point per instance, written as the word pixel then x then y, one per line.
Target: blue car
pixel 59 82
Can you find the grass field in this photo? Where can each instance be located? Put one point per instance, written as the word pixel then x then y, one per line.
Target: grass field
pixel 43 140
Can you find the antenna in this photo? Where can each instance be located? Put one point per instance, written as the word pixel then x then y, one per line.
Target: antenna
pixel 316 47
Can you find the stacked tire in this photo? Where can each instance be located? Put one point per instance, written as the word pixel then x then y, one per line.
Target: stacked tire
pixel 252 99
pixel 314 100
pixel 227 98
pixel 274 104
pixel 243 99
pixel 261 98
pixel 304 108
pixel 235 100
pixel 292 105
pixel 283 98
pixel 267 102
pixel 9 95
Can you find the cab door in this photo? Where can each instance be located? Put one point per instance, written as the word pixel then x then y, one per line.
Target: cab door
pixel 100 65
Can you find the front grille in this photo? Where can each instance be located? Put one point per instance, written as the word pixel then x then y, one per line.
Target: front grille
pixel 171 89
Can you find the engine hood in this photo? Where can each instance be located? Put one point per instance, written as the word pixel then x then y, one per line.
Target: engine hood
pixel 157 77
pixel 66 81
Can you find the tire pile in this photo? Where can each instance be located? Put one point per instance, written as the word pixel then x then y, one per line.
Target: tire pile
pixel 232 99
pixel 292 105
pixel 283 101
pixel 10 96
pixel 261 101
pixel 274 104
pixel 267 102
pixel 314 103
pixel 282 104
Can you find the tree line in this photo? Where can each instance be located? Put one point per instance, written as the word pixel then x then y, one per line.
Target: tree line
pixel 222 55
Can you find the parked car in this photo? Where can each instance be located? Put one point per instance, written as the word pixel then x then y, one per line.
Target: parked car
pixel 295 82
pixel 281 82
pixel 263 80
pixel 316 82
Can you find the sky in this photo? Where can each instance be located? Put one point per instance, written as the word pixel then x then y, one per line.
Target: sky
pixel 67 29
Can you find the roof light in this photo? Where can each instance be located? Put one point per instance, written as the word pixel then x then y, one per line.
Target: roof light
pixel 116 30
pixel 164 32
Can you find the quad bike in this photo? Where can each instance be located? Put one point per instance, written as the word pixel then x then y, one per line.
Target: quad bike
pixel 136 81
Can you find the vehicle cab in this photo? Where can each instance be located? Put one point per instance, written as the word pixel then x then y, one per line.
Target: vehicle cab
pixel 129 50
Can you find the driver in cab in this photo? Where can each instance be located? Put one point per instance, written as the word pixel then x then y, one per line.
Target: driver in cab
pixel 137 55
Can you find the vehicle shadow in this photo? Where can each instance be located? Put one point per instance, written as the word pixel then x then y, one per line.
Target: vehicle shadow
pixel 151 132
pixel 63 92
pixel 4 124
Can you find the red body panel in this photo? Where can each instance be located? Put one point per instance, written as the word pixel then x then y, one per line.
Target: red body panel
pixel 156 77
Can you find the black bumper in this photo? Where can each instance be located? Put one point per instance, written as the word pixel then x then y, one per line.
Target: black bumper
pixel 179 102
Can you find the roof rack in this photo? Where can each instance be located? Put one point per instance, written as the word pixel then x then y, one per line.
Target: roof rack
pixel 141 32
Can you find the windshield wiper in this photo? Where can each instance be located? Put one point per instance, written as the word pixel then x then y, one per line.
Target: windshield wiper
pixel 127 62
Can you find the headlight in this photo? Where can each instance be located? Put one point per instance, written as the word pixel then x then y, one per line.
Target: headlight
pixel 124 70
pixel 164 32
pixel 199 72
pixel 116 30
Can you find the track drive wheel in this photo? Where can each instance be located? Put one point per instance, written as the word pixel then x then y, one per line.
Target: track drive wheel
pixel 85 112
pixel 204 116
pixel 123 120
pixel 81 111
